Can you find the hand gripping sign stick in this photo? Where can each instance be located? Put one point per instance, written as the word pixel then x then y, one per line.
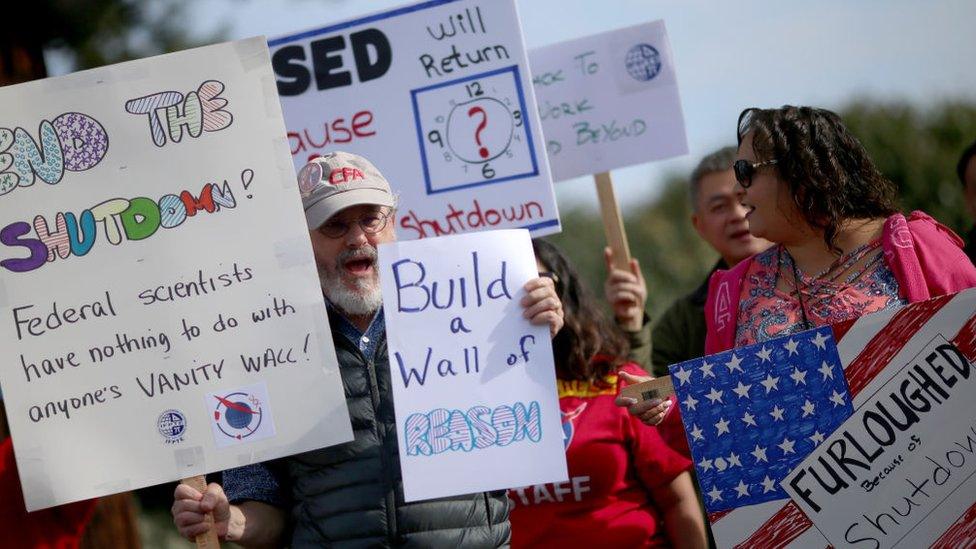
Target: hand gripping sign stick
pixel 208 539
pixel 613 223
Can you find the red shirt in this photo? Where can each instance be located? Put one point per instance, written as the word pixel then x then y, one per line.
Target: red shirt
pixel 614 462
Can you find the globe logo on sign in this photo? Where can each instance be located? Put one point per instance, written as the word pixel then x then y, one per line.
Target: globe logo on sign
pixel 171 424
pixel 643 62
pixel 238 415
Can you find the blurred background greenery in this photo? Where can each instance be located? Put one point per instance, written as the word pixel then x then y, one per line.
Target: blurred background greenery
pixel 914 146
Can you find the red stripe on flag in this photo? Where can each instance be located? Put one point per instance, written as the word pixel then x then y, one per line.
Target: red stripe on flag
pixel 717 515
pixel 779 530
pixel 889 341
pixel 965 340
pixel 961 533
pixel 841 328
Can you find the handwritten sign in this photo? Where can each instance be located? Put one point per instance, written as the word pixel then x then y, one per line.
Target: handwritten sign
pixel 474 385
pixel 162 316
pixel 856 434
pixel 901 470
pixel 608 100
pixel 437 95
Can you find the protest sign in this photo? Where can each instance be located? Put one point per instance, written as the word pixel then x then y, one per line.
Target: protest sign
pixel 474 384
pixel 437 95
pixel 163 317
pixel 861 433
pixel 608 100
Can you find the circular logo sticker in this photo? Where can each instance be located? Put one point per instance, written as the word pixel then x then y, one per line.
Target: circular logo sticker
pixel 238 415
pixel 643 62
pixel 171 424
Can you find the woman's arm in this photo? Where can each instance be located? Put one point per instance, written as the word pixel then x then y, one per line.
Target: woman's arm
pixel 683 518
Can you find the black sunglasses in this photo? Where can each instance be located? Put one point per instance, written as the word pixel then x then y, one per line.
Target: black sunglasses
pixel 744 170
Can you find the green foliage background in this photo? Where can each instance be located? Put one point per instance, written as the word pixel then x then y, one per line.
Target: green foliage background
pixel 916 148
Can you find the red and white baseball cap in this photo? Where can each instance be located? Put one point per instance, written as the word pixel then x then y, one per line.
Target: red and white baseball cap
pixel 339 180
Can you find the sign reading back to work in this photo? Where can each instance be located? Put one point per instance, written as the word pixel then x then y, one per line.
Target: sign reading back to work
pixel 162 316
pixel 473 381
pixel 609 100
pixel 437 95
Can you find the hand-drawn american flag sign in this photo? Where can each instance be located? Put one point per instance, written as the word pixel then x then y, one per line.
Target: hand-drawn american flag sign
pixel 731 405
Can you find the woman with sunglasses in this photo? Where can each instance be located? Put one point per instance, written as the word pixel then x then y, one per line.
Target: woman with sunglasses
pixel 841 249
pixel 626 488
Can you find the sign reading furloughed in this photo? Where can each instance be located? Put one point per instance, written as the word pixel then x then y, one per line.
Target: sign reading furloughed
pixel 474 385
pixel 162 317
pixel 900 471
pixel 438 96
pixel 609 100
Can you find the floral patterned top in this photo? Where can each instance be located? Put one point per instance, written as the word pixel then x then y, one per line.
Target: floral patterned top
pixel 838 293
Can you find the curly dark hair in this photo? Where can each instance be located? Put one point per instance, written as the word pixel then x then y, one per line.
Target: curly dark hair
pixel 830 176
pixel 589 346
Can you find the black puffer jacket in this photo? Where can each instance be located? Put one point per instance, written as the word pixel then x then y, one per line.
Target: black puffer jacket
pixel 351 495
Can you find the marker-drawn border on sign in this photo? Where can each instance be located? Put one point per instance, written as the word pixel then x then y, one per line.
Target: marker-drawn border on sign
pixel 525 119
pixel 362 21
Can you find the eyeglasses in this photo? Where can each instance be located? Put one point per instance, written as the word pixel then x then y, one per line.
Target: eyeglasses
pixel 370 223
pixel 744 170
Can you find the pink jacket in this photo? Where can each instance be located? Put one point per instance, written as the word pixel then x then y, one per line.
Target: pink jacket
pixel 925 256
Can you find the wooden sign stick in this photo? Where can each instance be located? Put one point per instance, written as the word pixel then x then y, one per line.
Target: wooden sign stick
pixel 208 539
pixel 613 223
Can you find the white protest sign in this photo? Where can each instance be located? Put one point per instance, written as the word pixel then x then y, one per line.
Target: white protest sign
pixel 900 471
pixel 474 384
pixel 161 308
pixel 608 100
pixel 437 95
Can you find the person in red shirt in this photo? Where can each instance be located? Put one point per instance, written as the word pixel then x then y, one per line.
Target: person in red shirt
pixel 626 487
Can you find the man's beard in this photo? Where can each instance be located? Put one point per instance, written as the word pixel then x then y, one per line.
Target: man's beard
pixel 365 298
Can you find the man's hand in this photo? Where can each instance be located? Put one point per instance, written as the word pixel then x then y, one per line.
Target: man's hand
pixel 190 508
pixel 542 305
pixel 650 412
pixel 627 293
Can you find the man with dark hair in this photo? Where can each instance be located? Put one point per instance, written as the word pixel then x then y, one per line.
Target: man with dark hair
pixel 352 494
pixel 966 170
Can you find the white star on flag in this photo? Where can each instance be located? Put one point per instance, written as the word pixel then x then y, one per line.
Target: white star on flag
pixel 697 433
pixel 816 438
pixel 705 464
pixel 768 484
pixel 742 390
pixel 706 370
pixel 715 395
pixel 777 413
pixel 770 383
pixel 749 419
pixel 791 347
pixel 820 340
pixel 722 427
pixel 827 370
pixel 837 399
pixel 742 489
pixel 715 494
pixel 690 402
pixel 683 375
pixel 734 460
pixel 764 354
pixel 798 376
pixel 787 445
pixel 808 408
pixel 760 454
pixel 733 364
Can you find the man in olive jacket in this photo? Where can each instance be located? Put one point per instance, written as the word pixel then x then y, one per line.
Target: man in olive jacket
pixel 351 495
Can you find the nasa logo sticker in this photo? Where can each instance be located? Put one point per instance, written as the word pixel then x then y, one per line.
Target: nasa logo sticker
pixel 171 424
pixel 643 62
pixel 240 415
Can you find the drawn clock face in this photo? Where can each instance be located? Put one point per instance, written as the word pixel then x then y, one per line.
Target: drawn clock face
pixel 474 132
